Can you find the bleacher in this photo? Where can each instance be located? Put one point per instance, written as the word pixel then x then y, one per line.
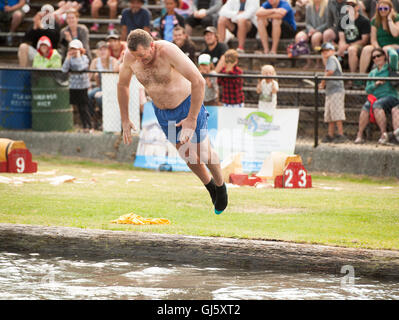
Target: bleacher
pixel 293 93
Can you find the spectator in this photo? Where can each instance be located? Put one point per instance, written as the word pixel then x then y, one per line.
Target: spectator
pixel 386 98
pixel 135 17
pixel 354 34
pixel 65 6
pixel 267 90
pixel 205 66
pixel 116 47
pixel 183 41
pixel 214 47
pixel 46 56
pixel 96 5
pixel 238 16
pixel 232 93
pixel 74 31
pixel 12 11
pixel 79 83
pixel 384 34
pixel 334 16
pixel 103 62
pixel 170 20
pixel 334 108
pixel 205 14
pixel 27 49
pixel 275 18
pixel 369 7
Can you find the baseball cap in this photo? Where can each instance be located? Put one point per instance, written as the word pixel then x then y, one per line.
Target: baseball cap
pixel 204 59
pixel 101 44
pixel 76 44
pixel 113 35
pixel 327 46
pixel 44 40
pixel 210 29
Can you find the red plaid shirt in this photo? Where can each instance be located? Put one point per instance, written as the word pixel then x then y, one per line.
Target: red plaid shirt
pixel 232 87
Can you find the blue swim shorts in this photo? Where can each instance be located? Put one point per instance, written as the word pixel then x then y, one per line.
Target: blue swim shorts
pixel 168 118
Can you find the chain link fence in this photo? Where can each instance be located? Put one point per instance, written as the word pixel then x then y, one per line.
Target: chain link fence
pixel 40 100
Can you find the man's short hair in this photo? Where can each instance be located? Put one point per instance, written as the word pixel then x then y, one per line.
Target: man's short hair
pixel 139 37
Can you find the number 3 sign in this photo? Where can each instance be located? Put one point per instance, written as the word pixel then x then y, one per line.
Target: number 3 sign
pixel 294 176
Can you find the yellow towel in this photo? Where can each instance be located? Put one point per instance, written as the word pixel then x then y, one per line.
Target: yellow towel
pixel 132 218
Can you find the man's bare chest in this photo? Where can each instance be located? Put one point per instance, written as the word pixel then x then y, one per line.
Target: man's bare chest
pixel 154 76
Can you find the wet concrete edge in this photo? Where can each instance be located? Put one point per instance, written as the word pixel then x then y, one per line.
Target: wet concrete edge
pixel 258 255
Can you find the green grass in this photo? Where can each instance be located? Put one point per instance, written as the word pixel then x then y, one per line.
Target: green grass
pixel 340 210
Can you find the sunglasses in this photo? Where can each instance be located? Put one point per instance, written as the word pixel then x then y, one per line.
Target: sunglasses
pixel 383 8
pixel 377 56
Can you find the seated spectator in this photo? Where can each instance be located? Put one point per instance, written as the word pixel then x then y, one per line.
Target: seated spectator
pixel 183 41
pixel 386 98
pixel 334 15
pixel 205 66
pixel 238 16
pixel 232 93
pixel 354 36
pixel 116 47
pixel 205 14
pixel 65 6
pixel 74 31
pixel 214 47
pixel 384 34
pixel 170 20
pixel 369 7
pixel 76 60
pixel 135 17
pixel 27 49
pixel 103 62
pixel 276 19
pixel 46 57
pixel 96 5
pixel 11 11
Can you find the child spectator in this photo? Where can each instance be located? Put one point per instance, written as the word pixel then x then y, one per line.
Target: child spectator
pixel 267 90
pixel 170 20
pixel 46 56
pixel 334 109
pixel 205 66
pixel 79 83
pixel 232 93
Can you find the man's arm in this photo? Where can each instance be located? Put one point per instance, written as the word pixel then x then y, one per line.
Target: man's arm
pixel 125 75
pixel 187 69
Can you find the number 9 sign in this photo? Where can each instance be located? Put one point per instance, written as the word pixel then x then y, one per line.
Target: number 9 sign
pixel 20 161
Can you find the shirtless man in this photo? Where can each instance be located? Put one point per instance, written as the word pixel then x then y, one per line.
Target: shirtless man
pixel 176 87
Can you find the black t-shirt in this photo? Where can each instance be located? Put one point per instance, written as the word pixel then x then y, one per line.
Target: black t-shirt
pixel 354 30
pixel 189 49
pixel 32 36
pixel 217 52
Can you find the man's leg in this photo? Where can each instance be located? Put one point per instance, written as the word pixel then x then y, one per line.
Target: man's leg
pixel 353 57
pixel 243 27
pixel 276 34
pixel 363 122
pixel 262 31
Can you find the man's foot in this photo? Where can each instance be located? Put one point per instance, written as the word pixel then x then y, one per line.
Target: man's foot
pixel 359 140
pixel 384 139
pixel 211 187
pixel 221 199
pixel 327 139
pixel 340 138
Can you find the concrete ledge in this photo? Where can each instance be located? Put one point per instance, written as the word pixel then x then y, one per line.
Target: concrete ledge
pixel 200 251
pixel 349 158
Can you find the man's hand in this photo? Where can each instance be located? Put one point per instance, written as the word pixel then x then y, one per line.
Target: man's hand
pixel 127 128
pixel 188 126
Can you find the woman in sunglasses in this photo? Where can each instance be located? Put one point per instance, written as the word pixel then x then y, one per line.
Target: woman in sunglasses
pixel 384 34
pixel 385 95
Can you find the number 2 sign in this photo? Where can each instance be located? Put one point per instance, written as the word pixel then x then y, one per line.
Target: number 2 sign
pixel 294 176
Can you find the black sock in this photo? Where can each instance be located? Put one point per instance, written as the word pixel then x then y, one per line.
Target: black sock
pixel 211 187
pixel 221 197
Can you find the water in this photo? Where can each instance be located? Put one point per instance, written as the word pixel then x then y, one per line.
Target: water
pixel 33 276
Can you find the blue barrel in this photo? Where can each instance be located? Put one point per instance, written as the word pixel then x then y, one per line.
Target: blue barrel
pixel 15 99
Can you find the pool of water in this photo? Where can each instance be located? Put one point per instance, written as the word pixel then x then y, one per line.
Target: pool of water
pixel 32 276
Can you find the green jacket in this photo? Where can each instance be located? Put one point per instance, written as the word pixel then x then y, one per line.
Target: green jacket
pixel 43 63
pixel 385 89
